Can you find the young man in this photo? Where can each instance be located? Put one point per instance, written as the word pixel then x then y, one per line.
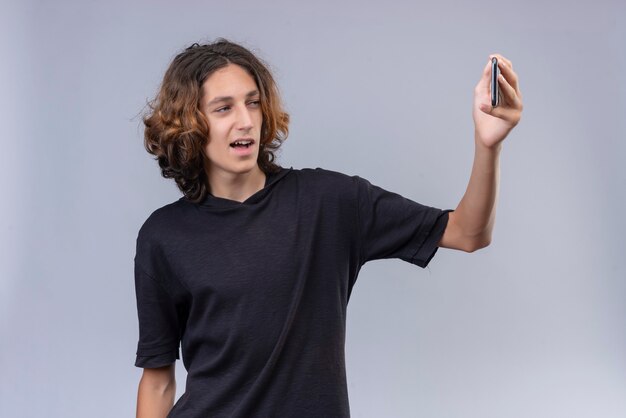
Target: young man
pixel 252 269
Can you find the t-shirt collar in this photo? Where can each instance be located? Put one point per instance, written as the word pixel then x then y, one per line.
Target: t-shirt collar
pixel 270 180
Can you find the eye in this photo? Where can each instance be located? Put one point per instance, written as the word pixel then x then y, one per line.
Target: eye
pixel 256 102
pixel 222 108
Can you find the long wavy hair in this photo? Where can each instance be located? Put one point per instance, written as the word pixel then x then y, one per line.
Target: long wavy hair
pixel 176 130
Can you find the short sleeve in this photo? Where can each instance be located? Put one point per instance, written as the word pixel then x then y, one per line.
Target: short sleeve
pixel 392 226
pixel 159 330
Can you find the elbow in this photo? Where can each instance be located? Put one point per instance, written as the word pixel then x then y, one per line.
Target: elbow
pixel 478 243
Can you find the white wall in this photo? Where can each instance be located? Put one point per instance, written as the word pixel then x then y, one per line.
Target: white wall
pixel 530 326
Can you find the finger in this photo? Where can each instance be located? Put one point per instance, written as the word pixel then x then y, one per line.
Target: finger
pixel 509 74
pixel 506 67
pixel 500 57
pixel 508 92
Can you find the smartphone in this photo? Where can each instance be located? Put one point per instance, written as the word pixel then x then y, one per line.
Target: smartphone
pixel 495 88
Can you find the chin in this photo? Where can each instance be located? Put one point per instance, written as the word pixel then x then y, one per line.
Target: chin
pixel 246 167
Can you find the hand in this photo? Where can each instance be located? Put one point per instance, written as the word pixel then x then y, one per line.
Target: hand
pixel 492 125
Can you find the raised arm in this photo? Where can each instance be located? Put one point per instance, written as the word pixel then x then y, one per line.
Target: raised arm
pixel 470 226
pixel 157 389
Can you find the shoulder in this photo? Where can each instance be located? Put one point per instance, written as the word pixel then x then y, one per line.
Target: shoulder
pixel 328 179
pixel 158 232
pixel 162 220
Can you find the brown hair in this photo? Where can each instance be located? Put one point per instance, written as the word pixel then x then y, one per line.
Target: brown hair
pixel 176 130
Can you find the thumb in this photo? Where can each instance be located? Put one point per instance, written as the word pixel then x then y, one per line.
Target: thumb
pixel 496 112
pixel 486 108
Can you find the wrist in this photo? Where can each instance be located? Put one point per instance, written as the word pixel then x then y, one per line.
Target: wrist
pixel 482 147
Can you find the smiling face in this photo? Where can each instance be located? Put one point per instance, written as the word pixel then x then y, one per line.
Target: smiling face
pixel 231 104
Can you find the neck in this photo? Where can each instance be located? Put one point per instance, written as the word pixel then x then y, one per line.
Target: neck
pixel 236 186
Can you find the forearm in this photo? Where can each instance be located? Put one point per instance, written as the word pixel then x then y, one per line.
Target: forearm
pixel 155 400
pixel 476 212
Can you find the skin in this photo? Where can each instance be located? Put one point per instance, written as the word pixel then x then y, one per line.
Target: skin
pixel 232 176
pixel 470 226
pixel 156 392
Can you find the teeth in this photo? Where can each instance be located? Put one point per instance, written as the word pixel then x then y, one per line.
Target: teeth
pixel 242 142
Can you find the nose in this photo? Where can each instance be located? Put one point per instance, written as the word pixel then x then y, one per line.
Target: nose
pixel 244 119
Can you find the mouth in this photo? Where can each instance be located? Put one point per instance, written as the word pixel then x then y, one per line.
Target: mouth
pixel 242 143
pixel 243 147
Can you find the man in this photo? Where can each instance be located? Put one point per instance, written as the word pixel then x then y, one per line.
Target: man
pixel 253 268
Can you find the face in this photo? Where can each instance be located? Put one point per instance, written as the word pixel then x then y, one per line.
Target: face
pixel 231 103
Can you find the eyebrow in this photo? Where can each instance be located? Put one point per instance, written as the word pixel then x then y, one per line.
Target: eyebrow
pixel 229 98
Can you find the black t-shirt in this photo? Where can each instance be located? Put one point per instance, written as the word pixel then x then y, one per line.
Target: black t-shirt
pixel 256 292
